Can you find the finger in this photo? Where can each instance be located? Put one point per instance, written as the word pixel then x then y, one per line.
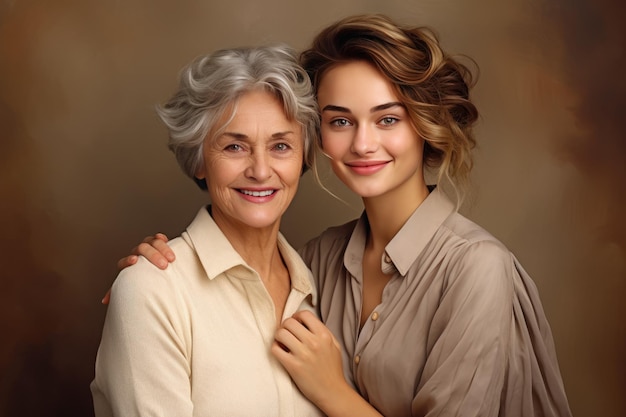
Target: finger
pixel 126 262
pixel 310 321
pixel 283 355
pixel 287 340
pixel 153 255
pixel 315 326
pixel 159 243
pixel 297 329
pixel 107 298
pixel 154 238
pixel 161 236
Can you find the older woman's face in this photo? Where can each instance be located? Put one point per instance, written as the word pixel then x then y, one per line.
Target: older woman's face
pixel 253 168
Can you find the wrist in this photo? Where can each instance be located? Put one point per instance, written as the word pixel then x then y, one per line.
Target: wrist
pixel 345 401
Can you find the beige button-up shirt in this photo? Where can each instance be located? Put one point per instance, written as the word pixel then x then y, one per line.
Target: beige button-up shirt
pixel 194 340
pixel 460 330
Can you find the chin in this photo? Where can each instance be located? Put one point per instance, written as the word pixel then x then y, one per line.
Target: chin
pixel 364 190
pixel 262 222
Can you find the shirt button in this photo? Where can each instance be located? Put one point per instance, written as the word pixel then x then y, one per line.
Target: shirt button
pixel 357 359
pixel 375 316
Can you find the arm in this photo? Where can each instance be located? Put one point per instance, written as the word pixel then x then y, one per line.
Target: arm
pixel 469 335
pixel 312 356
pixel 154 248
pixel 142 366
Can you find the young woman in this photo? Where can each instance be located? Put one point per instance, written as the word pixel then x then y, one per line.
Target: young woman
pixel 427 313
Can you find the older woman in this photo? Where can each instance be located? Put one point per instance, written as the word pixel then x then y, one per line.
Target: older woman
pixel 195 339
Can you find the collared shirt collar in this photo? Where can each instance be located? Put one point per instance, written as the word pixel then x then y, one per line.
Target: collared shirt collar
pixel 217 255
pixel 409 242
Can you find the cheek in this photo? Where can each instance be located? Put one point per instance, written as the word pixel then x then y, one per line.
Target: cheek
pixel 221 172
pixel 404 142
pixel 334 145
pixel 288 167
pixel 293 171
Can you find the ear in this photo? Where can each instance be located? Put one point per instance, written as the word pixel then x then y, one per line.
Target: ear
pixel 200 178
pixel 200 173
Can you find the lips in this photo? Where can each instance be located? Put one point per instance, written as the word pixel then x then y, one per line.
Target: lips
pixel 260 193
pixel 366 167
pixel 365 163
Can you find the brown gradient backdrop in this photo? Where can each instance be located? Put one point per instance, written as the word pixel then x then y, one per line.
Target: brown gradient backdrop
pixel 85 173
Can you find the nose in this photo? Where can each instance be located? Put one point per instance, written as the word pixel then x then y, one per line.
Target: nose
pixel 259 166
pixel 364 141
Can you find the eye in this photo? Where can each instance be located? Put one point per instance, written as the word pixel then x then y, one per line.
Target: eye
pixel 282 147
pixel 389 121
pixel 340 122
pixel 233 147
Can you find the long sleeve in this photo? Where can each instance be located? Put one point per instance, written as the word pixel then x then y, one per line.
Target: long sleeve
pixel 142 367
pixel 534 386
pixel 468 340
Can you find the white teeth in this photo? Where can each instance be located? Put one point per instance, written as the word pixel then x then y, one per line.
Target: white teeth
pixel 258 193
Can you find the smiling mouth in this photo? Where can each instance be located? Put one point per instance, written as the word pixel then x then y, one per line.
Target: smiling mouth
pixel 366 164
pixel 263 193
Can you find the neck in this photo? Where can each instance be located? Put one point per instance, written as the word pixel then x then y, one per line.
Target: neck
pixel 386 214
pixel 259 249
pixel 257 246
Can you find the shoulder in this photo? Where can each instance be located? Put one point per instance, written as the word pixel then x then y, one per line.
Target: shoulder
pixel 470 239
pixel 144 282
pixel 467 230
pixel 474 256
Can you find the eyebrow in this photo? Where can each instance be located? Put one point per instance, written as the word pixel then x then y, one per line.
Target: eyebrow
pixel 384 106
pixel 241 136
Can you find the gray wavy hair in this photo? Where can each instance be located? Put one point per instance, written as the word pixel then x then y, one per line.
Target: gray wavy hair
pixel 212 83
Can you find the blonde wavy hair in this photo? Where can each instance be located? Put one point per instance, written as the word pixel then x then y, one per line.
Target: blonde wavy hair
pixel 433 86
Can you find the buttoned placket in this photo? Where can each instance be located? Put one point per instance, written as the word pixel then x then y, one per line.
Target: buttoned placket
pixel 369 327
pixel 263 309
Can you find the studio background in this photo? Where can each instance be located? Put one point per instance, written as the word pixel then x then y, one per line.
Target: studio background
pixel 85 172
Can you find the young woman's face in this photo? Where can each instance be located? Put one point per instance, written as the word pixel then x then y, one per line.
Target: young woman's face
pixel 253 168
pixel 366 132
